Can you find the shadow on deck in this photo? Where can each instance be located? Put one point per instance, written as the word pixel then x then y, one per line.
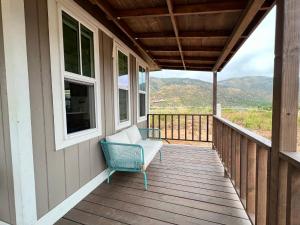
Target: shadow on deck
pixel 187 187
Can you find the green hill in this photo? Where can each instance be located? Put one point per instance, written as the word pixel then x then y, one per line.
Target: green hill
pixel 235 92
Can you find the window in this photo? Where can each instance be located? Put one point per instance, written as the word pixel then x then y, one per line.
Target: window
pixel 142 94
pixel 75 74
pixel 123 90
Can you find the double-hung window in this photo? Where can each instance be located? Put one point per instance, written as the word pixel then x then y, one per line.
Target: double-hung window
pixel 142 94
pixel 76 81
pixel 122 90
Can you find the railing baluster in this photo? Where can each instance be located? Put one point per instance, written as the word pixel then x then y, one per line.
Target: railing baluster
pixel 207 127
pixel 262 183
pixel 185 122
pixel 159 125
pixel 179 127
pixel 193 127
pixel 251 179
pixel 172 126
pixel 166 127
pixel 200 129
pixel 243 170
pixel 238 163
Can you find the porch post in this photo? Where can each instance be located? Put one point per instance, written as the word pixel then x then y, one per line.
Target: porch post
pixel 285 95
pixel 215 93
pixel 14 75
pixel 214 135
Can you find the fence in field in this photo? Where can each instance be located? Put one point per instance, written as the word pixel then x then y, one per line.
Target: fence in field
pixel 183 127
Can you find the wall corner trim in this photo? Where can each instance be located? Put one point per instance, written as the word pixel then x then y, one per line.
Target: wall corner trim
pixel 60 210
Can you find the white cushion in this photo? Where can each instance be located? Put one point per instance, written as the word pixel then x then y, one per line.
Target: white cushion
pixel 134 134
pixel 120 137
pixel 151 147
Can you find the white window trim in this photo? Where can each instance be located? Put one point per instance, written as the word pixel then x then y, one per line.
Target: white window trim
pixel 118 124
pixel 142 118
pixel 58 74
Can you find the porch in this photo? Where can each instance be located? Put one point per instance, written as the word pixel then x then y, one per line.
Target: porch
pixel 187 187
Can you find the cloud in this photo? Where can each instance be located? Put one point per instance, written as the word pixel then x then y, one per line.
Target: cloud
pixel 254 58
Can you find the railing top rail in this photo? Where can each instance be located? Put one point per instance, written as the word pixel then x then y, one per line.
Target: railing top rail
pixel 258 139
pixel 182 114
pixel 292 157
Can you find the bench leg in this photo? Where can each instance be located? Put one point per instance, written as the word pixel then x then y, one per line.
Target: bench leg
pixel 160 156
pixel 109 174
pixel 145 180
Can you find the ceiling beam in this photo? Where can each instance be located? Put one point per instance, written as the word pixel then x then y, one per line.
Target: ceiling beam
pixel 179 10
pixel 185 49
pixel 175 29
pixel 106 8
pixel 186 34
pixel 248 14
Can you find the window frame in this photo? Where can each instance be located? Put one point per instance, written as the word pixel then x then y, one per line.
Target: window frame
pixel 59 74
pixel 143 65
pixel 118 124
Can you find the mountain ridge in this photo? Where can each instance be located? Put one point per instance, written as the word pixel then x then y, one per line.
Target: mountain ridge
pixel 254 91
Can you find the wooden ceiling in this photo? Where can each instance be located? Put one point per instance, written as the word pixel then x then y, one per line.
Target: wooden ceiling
pixel 186 34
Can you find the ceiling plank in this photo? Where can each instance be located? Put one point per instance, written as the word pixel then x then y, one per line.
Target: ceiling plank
pixel 248 14
pixel 200 8
pixel 187 65
pixel 185 49
pixel 106 8
pixel 187 58
pixel 175 28
pixel 186 34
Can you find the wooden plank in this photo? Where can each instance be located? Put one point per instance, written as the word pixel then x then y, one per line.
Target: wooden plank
pixel 283 180
pixel 113 213
pixel 251 179
pixel 82 217
pixel 244 21
pixel 244 165
pixel 153 213
pixel 108 189
pixel 107 49
pixel 294 201
pixel 200 8
pixel 97 160
pixel 174 208
pixel 66 222
pixel 107 9
pixel 84 162
pixel 186 34
pixel 262 186
pixel 185 49
pixel 72 169
pixel 233 156
pixel 285 91
pixel 37 109
pixel 237 163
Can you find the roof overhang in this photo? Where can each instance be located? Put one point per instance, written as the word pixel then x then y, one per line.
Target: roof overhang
pixel 198 35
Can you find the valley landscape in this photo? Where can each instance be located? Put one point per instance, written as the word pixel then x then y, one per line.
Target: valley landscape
pixel 246 101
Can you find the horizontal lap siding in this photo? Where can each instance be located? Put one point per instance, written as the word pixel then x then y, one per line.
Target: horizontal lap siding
pixel 58 174
pixel 6 180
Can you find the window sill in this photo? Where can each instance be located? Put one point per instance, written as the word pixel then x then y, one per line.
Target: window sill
pixel 141 119
pixel 77 138
pixel 123 125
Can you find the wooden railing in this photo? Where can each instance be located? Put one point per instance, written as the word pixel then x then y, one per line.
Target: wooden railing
pixel 183 127
pixel 246 159
pixel 289 188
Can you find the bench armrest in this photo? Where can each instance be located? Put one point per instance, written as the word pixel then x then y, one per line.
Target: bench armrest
pixel 154 133
pixel 119 155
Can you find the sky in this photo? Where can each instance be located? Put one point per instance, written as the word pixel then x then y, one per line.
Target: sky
pixel 254 58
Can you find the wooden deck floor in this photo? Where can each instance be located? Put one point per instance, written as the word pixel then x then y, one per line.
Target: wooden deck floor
pixel 187 187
